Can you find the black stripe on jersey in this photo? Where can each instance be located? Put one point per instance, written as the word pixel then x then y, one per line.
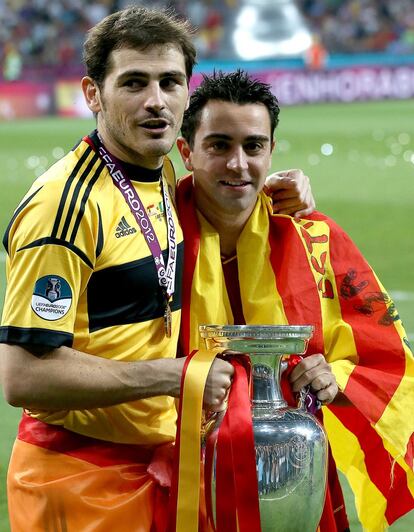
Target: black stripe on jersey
pixel 16 213
pixel 100 243
pixel 82 178
pixel 83 202
pixel 130 293
pixel 34 336
pixel 65 193
pixel 59 242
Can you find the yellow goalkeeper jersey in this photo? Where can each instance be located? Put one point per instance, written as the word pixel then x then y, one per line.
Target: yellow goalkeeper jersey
pixel 79 273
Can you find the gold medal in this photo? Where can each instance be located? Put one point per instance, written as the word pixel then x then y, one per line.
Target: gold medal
pixel 167 320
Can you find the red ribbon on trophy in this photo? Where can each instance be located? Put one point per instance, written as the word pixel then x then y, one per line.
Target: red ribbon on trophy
pixel 237 501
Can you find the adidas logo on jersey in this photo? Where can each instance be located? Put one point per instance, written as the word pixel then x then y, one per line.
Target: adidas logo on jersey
pixel 124 229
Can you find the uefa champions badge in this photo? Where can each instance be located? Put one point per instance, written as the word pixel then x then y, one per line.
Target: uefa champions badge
pixel 52 297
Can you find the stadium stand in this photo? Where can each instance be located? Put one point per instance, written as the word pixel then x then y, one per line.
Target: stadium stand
pixel 40 33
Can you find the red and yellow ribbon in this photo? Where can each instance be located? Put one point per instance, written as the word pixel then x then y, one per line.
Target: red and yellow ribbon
pixel 237 505
pixel 185 488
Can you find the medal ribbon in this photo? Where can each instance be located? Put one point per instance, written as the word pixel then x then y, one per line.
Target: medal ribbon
pixel 166 274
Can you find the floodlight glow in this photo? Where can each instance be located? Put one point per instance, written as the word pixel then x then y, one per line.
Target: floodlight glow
pixel 327 149
pixel 249 48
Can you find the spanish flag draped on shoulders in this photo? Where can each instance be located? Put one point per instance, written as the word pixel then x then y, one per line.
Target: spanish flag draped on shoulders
pixel 310 272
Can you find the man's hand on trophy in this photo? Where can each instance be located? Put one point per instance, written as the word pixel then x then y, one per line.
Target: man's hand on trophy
pixel 218 385
pixel 315 372
pixel 291 193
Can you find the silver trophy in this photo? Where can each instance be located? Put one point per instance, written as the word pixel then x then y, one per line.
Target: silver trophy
pixel 290 444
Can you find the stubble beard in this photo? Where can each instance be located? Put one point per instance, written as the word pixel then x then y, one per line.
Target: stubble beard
pixel 127 140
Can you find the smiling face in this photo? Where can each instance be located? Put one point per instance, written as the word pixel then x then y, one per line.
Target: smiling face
pixel 141 103
pixel 230 157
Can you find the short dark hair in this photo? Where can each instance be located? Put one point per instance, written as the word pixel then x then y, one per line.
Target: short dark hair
pixel 236 87
pixel 136 28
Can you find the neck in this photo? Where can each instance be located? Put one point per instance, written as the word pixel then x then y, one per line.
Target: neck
pixel 228 225
pixel 228 239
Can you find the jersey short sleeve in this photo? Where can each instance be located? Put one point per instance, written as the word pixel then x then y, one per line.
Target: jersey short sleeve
pixel 51 242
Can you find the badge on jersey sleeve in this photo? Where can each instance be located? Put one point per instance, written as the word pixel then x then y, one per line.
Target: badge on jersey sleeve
pixel 52 297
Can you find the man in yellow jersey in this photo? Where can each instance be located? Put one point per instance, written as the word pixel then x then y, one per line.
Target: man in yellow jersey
pixel 245 265
pixel 92 309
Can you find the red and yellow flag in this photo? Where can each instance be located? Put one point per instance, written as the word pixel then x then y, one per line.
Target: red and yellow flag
pixel 310 272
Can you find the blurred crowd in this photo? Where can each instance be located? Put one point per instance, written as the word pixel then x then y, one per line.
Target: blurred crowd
pixel 360 26
pixel 45 32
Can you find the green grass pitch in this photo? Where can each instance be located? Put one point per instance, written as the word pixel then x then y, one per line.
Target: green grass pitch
pixel 360 158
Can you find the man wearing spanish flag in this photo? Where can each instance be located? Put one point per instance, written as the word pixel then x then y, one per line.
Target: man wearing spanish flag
pixel 243 264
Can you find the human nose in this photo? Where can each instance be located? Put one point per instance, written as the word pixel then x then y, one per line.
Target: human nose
pixel 154 99
pixel 237 160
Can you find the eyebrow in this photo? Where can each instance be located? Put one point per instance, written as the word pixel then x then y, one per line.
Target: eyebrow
pixel 174 73
pixel 143 74
pixel 250 138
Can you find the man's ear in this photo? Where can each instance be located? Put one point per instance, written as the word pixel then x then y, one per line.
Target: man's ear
pixel 91 93
pixel 272 147
pixel 185 152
